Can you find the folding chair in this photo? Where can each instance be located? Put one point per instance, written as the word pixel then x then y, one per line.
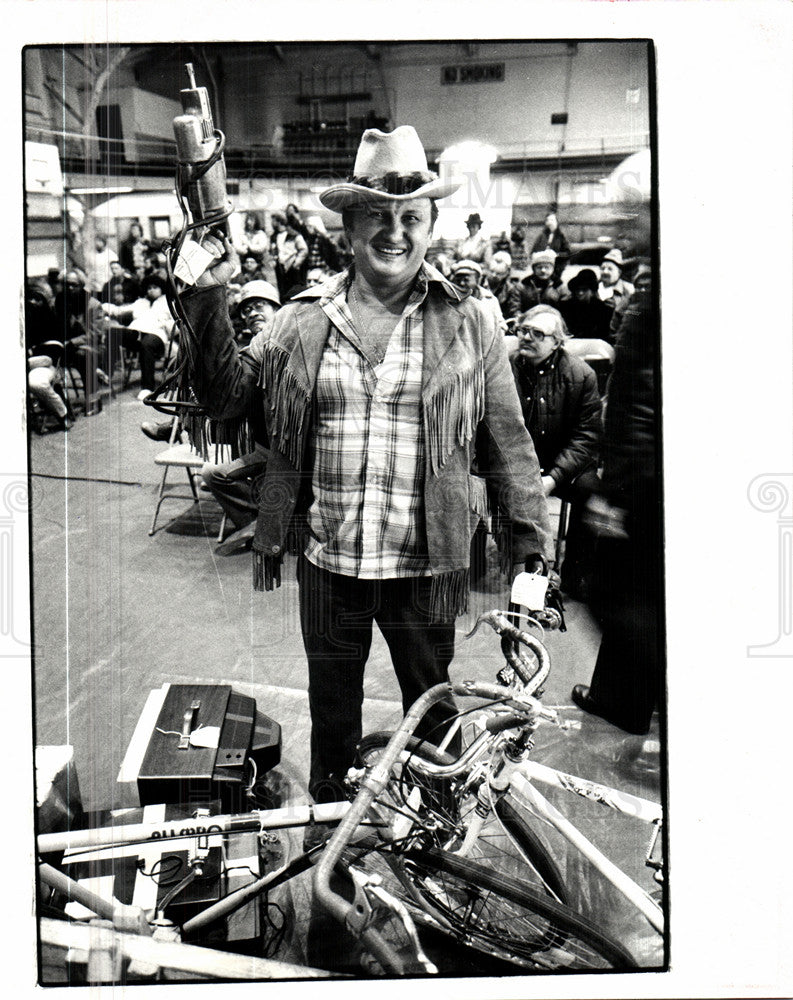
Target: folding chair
pixel 180 456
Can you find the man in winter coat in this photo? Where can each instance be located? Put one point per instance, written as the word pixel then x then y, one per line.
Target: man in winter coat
pixel 541 287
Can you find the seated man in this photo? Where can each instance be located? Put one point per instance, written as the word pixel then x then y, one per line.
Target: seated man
pixel 467 276
pixel 149 330
pixel 231 483
pixel 119 279
pixel 541 286
pixel 80 328
pixel 562 411
pixel 251 270
pixel 502 285
pixel 43 384
pixel 585 315
pixel 613 289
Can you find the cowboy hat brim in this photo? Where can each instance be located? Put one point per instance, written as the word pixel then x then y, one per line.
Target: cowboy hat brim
pixel 340 196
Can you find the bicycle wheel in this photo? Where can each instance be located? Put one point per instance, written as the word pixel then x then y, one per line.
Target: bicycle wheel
pixel 505 917
pixel 433 812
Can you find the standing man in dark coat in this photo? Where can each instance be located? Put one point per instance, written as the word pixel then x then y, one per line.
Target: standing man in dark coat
pixel 626 683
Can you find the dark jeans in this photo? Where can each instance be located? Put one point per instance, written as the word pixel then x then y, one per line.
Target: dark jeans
pixel 580 546
pixel 149 349
pixel 336 616
pixel 147 346
pixel 230 484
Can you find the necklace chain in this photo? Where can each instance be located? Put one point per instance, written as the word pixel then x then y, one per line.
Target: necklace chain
pixel 373 346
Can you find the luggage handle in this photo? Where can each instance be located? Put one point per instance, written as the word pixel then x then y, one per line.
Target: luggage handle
pixel 187 725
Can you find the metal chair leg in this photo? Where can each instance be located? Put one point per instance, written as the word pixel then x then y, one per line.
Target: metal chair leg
pixel 160 498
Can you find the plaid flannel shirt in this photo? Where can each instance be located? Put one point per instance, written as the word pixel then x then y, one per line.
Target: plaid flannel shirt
pixel 367 517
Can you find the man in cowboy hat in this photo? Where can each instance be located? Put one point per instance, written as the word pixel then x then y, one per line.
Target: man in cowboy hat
pixel 612 287
pixel 586 316
pixel 376 387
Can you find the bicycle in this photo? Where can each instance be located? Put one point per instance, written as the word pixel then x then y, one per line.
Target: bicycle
pixel 436 855
pixel 425 842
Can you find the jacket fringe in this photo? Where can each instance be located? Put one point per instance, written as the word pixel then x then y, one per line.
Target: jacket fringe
pixel 289 403
pixel 206 434
pixel 449 595
pixel 452 414
pixel 266 571
pixel 502 535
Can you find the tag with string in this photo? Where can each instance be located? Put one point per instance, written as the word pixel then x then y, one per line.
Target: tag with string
pixel 529 590
pixel 193 261
pixel 205 736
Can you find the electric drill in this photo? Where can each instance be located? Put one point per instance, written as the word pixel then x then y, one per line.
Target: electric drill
pixel 199 148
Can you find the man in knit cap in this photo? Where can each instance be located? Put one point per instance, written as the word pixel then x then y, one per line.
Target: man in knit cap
pixel 540 287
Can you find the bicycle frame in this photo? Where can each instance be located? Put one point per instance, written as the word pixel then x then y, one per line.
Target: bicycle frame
pixel 518 776
pixel 521 785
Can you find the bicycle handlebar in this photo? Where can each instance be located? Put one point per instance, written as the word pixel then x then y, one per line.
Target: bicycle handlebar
pixel 532 678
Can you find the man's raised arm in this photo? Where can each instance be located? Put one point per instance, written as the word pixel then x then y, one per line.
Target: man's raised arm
pixel 223 378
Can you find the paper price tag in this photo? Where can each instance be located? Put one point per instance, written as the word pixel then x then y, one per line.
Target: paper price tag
pixel 193 261
pixel 205 736
pixel 529 590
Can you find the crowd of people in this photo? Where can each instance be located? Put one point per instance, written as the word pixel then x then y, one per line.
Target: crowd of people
pixel 294 342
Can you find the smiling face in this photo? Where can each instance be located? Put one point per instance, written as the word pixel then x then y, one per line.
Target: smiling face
pixel 257 314
pixel 389 240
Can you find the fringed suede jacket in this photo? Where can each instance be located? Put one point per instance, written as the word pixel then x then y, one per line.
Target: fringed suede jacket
pixel 471 416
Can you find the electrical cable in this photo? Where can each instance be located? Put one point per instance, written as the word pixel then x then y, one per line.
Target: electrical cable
pixel 186 174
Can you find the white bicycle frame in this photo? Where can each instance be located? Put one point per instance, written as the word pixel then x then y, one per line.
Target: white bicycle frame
pixel 522 787
pixel 520 777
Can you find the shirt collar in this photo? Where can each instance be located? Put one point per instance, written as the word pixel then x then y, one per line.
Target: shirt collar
pixel 336 286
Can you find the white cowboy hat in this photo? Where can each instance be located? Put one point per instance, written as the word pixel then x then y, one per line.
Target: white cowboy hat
pixel 390 165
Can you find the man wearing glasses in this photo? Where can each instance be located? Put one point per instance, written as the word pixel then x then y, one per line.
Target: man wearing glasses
pixel 563 413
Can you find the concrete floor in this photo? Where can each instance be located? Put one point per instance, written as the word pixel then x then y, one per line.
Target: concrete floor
pixel 117 613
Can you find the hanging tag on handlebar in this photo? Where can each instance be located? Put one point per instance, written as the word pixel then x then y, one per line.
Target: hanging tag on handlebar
pixel 529 590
